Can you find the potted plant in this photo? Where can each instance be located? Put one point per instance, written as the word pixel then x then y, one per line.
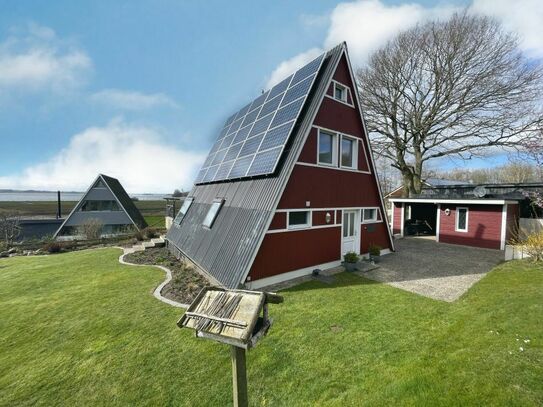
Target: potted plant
pixel 375 252
pixel 349 261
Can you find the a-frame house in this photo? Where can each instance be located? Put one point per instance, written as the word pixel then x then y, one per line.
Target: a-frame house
pixel 107 201
pixel 280 197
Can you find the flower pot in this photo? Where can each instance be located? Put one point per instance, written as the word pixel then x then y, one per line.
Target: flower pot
pixel 350 266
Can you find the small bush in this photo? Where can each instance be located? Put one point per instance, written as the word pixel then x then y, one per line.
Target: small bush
pixel 374 250
pixel 138 235
pixel 350 257
pixel 92 229
pixel 534 245
pixel 52 247
pixel 150 233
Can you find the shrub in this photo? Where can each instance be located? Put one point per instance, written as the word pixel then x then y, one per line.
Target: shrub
pixel 534 245
pixel 150 233
pixel 92 229
pixel 138 235
pixel 52 247
pixel 350 257
pixel 374 250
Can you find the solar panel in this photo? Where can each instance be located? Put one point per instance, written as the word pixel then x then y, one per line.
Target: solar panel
pixel 253 139
pixel 265 162
pixel 277 136
pixel 289 112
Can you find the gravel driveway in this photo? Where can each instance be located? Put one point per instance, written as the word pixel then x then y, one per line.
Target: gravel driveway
pixel 436 270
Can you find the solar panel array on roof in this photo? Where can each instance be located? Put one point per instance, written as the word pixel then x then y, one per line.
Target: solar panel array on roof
pixel 252 140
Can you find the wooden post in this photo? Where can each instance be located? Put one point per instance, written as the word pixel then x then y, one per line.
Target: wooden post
pixel 239 377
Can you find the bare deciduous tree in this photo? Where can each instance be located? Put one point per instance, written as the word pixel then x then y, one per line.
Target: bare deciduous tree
pixel 448 88
pixel 9 226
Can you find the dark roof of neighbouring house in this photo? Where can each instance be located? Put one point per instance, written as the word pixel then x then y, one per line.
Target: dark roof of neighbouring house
pixel 124 199
pixel 492 191
pixel 227 250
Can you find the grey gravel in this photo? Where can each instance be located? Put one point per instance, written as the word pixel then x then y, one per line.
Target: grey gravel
pixel 436 270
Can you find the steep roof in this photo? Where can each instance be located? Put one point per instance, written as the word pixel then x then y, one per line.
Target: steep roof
pixel 126 202
pixel 227 250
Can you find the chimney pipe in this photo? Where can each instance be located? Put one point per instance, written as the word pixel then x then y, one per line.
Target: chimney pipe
pixel 59 207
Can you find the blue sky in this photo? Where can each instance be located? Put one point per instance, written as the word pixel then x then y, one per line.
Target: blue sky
pixel 137 89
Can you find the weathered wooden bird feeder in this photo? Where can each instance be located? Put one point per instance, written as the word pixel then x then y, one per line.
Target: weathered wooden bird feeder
pixel 232 317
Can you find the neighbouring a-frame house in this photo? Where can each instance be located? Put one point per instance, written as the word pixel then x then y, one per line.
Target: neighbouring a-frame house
pixel 289 185
pixel 107 203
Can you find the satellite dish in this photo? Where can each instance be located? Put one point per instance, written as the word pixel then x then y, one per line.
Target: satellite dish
pixel 480 191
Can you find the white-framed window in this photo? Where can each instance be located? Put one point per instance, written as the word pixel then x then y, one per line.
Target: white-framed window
pixel 213 212
pixel 370 215
pixel 327 148
pixel 349 152
pixel 299 219
pixel 183 211
pixel 340 92
pixel 462 215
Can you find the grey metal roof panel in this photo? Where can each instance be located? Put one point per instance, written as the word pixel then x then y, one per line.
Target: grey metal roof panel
pixel 125 200
pixel 226 251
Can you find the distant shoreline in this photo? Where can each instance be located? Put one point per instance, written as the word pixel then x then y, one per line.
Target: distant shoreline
pixel 43 196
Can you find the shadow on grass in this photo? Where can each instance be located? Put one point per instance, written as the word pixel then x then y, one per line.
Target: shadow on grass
pixel 343 279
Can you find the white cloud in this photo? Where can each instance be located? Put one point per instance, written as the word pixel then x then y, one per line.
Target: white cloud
pixel 289 66
pixel 38 60
pixel 134 154
pixel 131 100
pixel 366 25
pixel 524 17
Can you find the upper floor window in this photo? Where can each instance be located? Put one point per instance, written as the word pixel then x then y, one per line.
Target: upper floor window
pixel 183 211
pixel 213 212
pixel 100 206
pixel 340 92
pixel 348 152
pixel 461 219
pixel 327 148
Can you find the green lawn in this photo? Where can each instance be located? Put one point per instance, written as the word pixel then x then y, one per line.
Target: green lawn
pixel 80 329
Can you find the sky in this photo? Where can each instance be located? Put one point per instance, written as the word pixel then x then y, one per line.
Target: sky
pixel 138 89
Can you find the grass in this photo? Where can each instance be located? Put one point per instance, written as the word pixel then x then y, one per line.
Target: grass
pixel 156 221
pixel 81 329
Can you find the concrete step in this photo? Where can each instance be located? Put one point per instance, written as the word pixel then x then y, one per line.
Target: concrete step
pixel 159 242
pixel 138 247
pixel 148 245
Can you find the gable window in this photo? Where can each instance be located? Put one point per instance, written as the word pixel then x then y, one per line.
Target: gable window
pixel 461 219
pixel 99 184
pixel 183 211
pixel 370 215
pixel 99 206
pixel 299 219
pixel 327 148
pixel 213 212
pixel 340 92
pixel 348 152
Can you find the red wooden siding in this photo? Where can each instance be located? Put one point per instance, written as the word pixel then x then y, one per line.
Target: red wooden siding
pixel 484 226
pixel 397 221
pixel 319 218
pixel 279 221
pixel 329 188
pixel 373 233
pixel 338 216
pixel 512 222
pixel 289 251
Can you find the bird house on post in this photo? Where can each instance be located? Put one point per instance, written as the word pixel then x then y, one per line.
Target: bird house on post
pixel 238 318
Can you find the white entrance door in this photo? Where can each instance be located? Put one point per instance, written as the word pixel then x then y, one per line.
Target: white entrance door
pixel 349 241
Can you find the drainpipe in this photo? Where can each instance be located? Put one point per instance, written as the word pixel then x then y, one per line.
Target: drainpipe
pixel 59 207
